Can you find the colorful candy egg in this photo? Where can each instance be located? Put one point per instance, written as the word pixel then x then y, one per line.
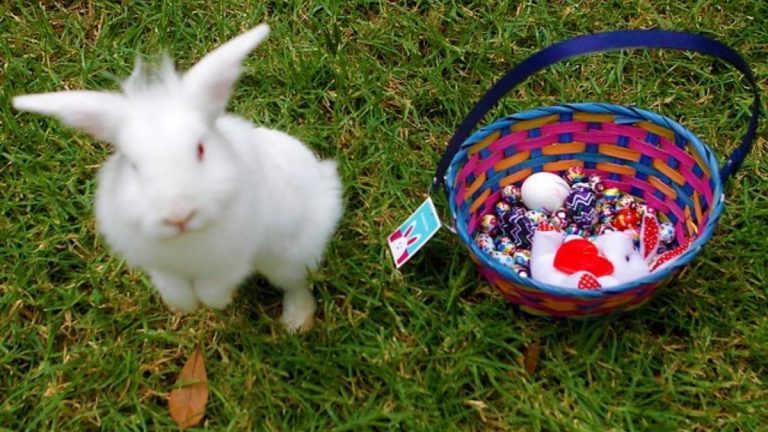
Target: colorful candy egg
pixel 501 240
pixel 666 232
pixel 485 242
pixel 488 224
pixel 626 201
pixel 612 195
pixel 503 259
pixel 626 218
pixel 521 271
pixel 559 218
pixel 511 195
pixel 507 248
pixel 501 207
pixel 535 216
pixel 522 257
pixel 576 230
pixel 597 183
pixel 575 174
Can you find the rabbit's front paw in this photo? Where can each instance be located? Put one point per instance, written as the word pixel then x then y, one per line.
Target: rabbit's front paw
pixel 176 292
pixel 298 310
pixel 214 295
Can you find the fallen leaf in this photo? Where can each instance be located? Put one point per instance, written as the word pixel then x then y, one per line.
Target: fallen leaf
pixel 531 357
pixel 188 399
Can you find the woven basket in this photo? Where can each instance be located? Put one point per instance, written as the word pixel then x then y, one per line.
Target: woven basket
pixel 642 153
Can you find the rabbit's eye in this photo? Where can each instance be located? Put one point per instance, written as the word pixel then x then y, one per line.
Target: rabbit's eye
pixel 200 151
pixel 627 258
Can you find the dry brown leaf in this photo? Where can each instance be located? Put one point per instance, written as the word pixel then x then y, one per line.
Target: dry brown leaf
pixel 531 357
pixel 188 399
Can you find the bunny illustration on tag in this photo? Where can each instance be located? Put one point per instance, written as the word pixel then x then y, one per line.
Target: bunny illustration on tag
pixel 414 233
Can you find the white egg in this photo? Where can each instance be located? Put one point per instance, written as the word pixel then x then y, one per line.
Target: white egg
pixel 545 192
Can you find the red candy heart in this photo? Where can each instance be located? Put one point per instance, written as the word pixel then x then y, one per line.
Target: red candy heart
pixel 580 254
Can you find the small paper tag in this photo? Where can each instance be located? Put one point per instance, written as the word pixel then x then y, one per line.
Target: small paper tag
pixel 414 233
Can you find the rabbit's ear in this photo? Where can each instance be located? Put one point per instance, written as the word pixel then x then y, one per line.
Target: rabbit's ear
pixel 97 113
pixel 649 237
pixel 210 81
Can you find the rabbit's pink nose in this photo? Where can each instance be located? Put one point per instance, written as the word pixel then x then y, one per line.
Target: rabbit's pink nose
pixel 180 222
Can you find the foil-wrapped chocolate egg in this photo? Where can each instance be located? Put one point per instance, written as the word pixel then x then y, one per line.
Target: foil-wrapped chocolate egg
pixel 500 208
pixel 626 218
pixel 575 174
pixel 511 195
pixel 535 216
pixel 666 233
pixel 522 271
pixel 522 257
pixel 488 224
pixel 612 195
pixel 485 243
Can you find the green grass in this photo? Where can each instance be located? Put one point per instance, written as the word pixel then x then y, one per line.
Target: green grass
pixel 87 345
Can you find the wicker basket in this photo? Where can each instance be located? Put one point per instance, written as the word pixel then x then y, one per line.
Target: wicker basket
pixel 644 154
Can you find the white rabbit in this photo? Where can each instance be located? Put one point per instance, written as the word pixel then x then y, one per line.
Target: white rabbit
pixel 199 198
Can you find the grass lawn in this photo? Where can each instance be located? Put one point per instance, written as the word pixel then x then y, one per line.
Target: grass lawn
pixel 86 344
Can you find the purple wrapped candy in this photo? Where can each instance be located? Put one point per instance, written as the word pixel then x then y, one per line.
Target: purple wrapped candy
pixel 485 242
pixel 518 227
pixel 612 195
pixel 511 194
pixel 666 233
pixel 521 271
pixel 500 208
pixel 581 205
pixel 575 174
pixel 586 218
pixel 522 257
pixel 488 224
pixel 536 216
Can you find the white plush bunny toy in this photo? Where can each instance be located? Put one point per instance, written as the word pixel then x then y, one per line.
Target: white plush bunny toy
pixel 199 198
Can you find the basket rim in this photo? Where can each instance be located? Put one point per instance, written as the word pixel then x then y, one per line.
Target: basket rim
pixel 630 114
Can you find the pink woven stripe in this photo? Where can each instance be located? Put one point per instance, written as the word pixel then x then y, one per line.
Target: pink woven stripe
pixel 626 130
pixel 476 217
pixel 536 143
pixel 676 152
pixel 467 169
pixel 510 140
pixel 488 163
pixel 560 128
pixel 458 197
pixel 596 136
pixel 647 149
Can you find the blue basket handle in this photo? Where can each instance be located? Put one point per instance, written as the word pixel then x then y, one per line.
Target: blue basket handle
pixel 609 41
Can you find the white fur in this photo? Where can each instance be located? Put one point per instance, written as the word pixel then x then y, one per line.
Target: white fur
pixel 616 247
pixel 259 200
